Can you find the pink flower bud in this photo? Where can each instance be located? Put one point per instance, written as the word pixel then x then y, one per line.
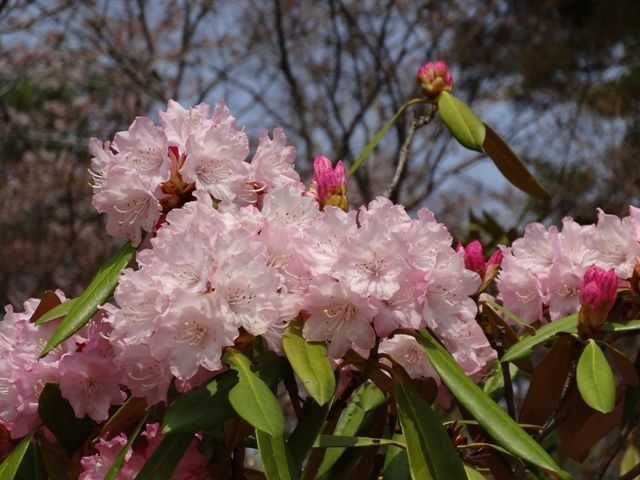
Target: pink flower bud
pixel 598 291
pixel 598 288
pixel 434 77
pixel 329 183
pixel 474 258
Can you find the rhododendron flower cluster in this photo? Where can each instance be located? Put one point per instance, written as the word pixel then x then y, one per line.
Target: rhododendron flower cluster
pixel 543 271
pixel 82 365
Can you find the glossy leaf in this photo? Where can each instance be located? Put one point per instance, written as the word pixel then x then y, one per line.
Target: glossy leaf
pixel 373 143
pixel 429 449
pixel 165 458
pixel 56 312
pixel 276 459
pixel 502 428
pixel 364 400
pixel 396 463
pixel 461 121
pixel 252 399
pixel 595 379
pixel 96 294
pixel 510 165
pixel 621 327
pixel 524 347
pixel 10 466
pixel 311 364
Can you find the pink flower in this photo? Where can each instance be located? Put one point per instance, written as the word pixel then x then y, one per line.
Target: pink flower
pixel 435 78
pixel 329 184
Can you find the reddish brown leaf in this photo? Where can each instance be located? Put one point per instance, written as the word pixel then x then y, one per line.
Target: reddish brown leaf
pixel 47 302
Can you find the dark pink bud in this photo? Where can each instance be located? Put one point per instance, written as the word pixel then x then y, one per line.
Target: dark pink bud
pixel 473 258
pixel 330 182
pixel 434 77
pixel 598 289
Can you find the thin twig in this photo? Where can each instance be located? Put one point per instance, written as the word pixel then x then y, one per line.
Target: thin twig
pixel 418 121
pixel 617 445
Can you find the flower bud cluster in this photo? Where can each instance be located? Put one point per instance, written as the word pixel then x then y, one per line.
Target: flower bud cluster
pixel 549 273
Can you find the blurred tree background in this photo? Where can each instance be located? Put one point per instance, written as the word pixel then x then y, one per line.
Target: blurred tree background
pixel 559 79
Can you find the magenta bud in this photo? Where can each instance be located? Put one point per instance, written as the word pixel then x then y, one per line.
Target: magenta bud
pixel 435 77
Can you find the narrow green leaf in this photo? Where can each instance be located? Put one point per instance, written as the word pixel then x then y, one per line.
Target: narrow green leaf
pixel 630 458
pixel 306 432
pixel 620 327
pixel 57 414
pixel 165 458
pixel 364 400
pixel 115 467
pixel 10 466
pixel 252 399
pixel 310 362
pixel 524 347
pixel 510 165
pixel 96 294
pixel 57 311
pixel 343 441
pixel 373 143
pixel 429 449
pixel 595 379
pixel 504 430
pixel 463 124
pixel 276 458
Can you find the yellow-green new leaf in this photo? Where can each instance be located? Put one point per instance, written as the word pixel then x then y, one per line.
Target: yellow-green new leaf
pixel 461 121
pixel 11 464
pixel 310 362
pixel 96 294
pixel 510 164
pixel 595 379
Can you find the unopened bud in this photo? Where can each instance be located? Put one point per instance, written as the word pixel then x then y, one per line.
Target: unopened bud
pixel 329 184
pixel 434 77
pixel 598 290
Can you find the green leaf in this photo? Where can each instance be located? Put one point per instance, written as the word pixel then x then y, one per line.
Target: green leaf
pixel 252 399
pixel 364 400
pixel 57 414
pixel 431 454
pixel 463 124
pixel 57 311
pixel 276 458
pixel 343 441
pixel 306 432
pixel 373 143
pixel 396 463
pixel 620 327
pixel 595 379
pixel 504 430
pixel 473 474
pixel 310 362
pixel 96 294
pixel 10 466
pixel 207 406
pixel 630 458
pixel 115 467
pixel 165 458
pixel 510 165
pixel 524 347
pixel 202 408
